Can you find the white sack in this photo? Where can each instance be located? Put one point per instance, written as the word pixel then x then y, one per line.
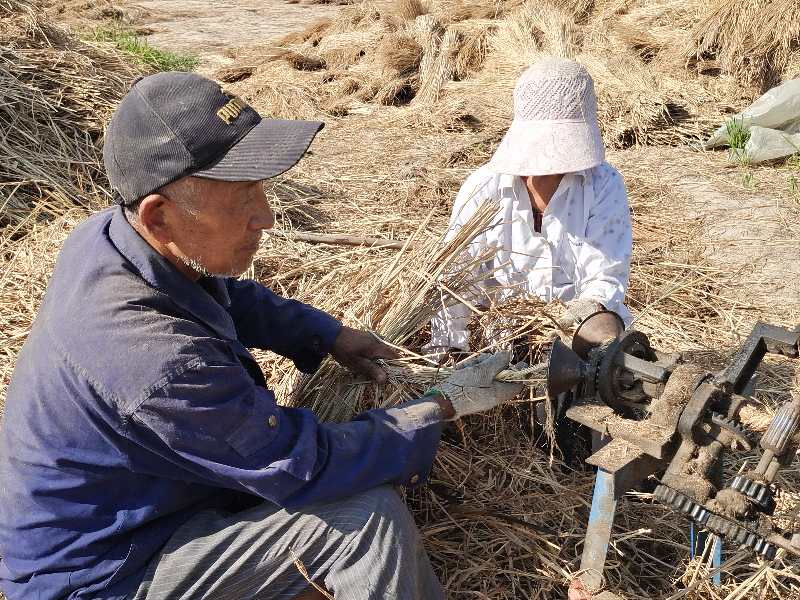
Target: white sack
pixel 773 121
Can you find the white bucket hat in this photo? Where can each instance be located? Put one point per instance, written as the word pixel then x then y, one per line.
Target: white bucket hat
pixel 555 126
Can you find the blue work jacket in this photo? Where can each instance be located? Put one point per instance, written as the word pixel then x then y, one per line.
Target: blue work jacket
pixel 135 404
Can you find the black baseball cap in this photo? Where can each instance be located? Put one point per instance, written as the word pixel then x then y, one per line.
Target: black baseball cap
pixel 173 124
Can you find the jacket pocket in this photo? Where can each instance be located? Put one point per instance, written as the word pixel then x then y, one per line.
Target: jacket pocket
pixel 257 430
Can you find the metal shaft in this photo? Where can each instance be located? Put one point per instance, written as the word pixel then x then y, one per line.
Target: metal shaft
pixel 598 533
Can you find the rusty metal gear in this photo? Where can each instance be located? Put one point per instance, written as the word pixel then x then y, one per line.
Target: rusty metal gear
pixel 682 503
pixel 740 535
pixel 715 523
pixel 733 427
pixel 760 494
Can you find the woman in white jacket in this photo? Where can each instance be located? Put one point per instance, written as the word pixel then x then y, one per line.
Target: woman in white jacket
pixel 563 229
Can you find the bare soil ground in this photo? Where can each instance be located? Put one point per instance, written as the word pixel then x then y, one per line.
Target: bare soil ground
pixel 212 31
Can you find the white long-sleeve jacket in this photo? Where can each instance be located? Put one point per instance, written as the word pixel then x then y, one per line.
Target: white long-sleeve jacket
pixel 583 250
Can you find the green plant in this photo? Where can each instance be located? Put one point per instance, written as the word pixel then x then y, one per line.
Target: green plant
pixel 128 41
pixel 738 133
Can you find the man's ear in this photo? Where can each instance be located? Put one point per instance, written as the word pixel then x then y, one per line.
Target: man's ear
pixel 154 217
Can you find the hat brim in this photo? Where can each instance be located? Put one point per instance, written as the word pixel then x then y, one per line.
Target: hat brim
pixel 548 148
pixel 269 149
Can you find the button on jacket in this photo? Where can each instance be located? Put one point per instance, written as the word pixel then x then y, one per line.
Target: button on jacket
pixel 135 404
pixel 583 250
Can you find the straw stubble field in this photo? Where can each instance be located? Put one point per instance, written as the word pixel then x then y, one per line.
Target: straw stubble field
pixel 415 96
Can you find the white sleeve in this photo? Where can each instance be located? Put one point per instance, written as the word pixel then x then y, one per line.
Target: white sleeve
pixel 449 326
pixel 604 262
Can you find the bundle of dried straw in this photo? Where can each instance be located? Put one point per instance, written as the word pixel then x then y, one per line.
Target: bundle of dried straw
pixel 57 94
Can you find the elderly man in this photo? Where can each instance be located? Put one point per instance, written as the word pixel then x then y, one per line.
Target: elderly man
pixel 564 228
pixel 143 456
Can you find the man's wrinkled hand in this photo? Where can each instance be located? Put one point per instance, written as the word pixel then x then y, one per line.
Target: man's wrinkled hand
pixel 358 351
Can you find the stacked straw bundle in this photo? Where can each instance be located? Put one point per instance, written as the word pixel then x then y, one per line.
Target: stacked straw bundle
pixel 655 63
pixel 756 40
pixel 57 94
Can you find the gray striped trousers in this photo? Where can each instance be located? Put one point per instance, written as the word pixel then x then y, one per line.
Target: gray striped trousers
pixel 361 548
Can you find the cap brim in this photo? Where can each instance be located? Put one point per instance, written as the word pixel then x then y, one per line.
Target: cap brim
pixel 269 149
pixel 548 148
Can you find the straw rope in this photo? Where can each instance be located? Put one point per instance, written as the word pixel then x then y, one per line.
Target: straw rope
pixel 399 371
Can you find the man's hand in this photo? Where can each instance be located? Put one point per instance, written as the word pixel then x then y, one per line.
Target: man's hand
pixel 472 387
pixel 357 350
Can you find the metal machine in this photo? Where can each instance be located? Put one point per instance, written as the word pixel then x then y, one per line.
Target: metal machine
pixel 663 416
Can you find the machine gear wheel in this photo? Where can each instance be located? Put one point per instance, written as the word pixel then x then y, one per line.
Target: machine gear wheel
pixel 734 428
pixel 732 531
pixel 721 526
pixel 760 494
pixel 606 380
pixel 681 503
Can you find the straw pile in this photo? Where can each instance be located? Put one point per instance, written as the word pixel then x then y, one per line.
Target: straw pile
pixel 660 67
pixel 97 12
pixel 755 40
pixel 500 518
pixel 57 94
pixel 417 96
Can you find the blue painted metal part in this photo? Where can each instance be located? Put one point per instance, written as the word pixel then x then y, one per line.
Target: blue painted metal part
pixel 697 545
pixel 598 532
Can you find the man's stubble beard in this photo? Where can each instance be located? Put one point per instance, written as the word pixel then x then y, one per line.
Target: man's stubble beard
pixel 198 267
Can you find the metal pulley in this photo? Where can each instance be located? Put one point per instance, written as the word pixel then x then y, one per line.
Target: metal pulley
pixel 617 366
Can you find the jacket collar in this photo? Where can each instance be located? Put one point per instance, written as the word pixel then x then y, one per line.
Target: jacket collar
pixel 206 302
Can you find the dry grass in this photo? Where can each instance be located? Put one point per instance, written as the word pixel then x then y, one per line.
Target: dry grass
pixel 515 532
pixel 57 94
pixel 409 10
pixel 649 92
pixel 501 519
pixel 300 61
pixel 311 34
pixel 680 299
pixel 235 73
pixel 494 462
pixel 752 39
pixel 401 53
pixel 96 12
pixel 454 11
pixel 470 53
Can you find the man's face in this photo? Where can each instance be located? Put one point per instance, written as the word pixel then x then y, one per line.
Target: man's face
pixel 221 233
